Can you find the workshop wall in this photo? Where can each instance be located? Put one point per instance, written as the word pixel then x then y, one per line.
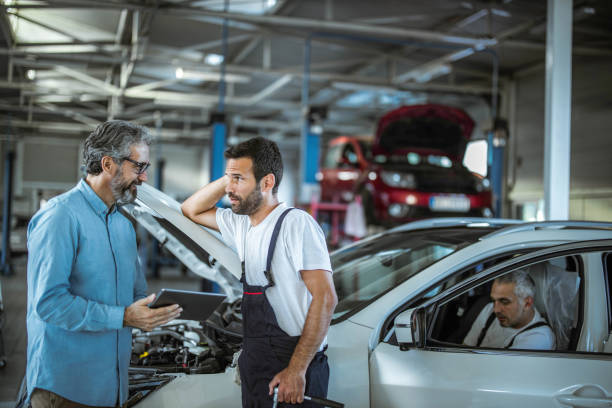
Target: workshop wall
pixel 590 167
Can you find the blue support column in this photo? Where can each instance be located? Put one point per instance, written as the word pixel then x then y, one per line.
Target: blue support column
pixel 217 161
pixel 495 154
pixel 310 140
pixel 310 155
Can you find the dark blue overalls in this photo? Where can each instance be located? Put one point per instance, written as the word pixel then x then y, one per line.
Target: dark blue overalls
pixel 266 348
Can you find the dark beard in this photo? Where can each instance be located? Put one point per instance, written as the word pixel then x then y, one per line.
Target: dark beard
pixel 248 205
pixel 122 192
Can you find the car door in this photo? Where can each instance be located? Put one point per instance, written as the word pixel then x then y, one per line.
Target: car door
pixel 329 170
pixel 435 373
pixel 349 170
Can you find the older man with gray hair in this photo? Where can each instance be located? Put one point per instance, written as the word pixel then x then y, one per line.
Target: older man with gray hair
pixel 511 320
pixel 85 286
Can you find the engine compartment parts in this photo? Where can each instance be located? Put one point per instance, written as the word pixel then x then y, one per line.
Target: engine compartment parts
pixel 184 347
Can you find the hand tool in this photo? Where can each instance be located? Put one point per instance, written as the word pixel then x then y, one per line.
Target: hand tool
pixel 320 401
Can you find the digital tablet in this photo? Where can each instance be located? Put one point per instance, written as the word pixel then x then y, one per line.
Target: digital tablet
pixel 196 305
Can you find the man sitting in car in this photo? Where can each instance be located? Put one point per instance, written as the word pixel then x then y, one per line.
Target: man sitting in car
pixel 511 320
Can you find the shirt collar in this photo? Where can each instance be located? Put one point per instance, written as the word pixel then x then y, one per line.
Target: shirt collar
pixel 273 215
pixel 98 205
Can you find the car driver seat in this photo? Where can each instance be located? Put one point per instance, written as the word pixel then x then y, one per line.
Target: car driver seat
pixel 557 289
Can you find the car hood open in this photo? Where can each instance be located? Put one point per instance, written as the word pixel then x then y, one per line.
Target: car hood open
pixel 426 129
pixel 202 250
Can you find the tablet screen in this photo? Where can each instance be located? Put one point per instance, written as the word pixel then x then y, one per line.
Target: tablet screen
pixel 196 305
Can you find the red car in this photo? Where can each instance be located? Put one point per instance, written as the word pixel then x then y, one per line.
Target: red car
pixel 345 161
pixel 414 168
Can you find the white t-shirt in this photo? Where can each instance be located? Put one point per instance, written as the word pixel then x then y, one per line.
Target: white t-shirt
pixel 300 246
pixel 538 338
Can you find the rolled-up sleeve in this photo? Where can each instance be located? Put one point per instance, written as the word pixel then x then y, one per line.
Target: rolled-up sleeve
pixel 52 248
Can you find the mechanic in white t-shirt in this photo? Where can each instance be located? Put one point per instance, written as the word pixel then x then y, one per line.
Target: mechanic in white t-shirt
pixel 289 294
pixel 511 321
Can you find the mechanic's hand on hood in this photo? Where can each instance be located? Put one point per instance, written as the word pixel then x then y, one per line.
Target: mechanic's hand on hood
pixel 139 315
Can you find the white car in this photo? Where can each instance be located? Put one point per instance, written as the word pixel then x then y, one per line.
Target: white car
pixel 407 297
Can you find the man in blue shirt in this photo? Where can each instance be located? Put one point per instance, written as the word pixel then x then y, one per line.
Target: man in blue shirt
pixel 85 286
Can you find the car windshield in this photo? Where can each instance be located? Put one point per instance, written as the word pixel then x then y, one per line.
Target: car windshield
pixel 364 272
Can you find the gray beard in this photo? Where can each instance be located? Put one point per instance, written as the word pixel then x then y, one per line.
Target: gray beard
pixel 121 190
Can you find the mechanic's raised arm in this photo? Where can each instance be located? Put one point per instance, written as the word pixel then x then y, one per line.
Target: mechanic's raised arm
pixel 291 381
pixel 200 207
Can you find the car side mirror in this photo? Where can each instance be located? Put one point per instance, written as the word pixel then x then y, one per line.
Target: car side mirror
pixel 410 328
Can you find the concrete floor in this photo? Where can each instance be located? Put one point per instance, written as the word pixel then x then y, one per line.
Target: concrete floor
pixel 14 333
pixel 14 330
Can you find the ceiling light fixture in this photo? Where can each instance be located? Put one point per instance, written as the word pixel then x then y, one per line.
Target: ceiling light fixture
pixel 182 73
pixel 213 59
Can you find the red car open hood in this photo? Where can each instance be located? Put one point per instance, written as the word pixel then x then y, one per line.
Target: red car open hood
pixel 426 129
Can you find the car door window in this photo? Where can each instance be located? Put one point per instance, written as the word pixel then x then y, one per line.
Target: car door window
pixel 349 156
pixel 546 291
pixel 565 283
pixel 332 156
pixel 466 306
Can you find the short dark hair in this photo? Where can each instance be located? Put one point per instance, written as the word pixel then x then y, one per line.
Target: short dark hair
pixel 114 139
pixel 265 156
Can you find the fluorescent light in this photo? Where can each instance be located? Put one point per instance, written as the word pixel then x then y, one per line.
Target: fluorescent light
pixel 213 59
pixel 210 76
pixel 31 74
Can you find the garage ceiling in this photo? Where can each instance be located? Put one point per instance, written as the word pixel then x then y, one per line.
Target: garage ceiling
pixel 67 65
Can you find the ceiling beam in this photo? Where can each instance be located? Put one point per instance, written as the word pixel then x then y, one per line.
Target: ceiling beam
pixel 335 26
pixel 47 26
pixel 270 89
pixel 31 58
pixel 79 128
pixel 87 79
pixel 79 117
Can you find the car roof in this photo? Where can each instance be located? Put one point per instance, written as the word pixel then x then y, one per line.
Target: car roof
pixel 518 242
pixel 455 222
pixel 505 226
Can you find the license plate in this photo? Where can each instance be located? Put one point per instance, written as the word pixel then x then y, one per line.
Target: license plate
pixel 453 202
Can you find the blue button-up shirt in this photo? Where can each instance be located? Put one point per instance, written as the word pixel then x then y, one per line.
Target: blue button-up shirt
pixel 83 272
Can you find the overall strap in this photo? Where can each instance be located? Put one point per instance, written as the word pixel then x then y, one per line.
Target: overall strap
pixel 277 227
pixel 484 330
pixel 533 326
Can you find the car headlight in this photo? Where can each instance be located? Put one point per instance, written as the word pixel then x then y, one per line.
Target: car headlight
pixel 395 179
pixel 483 185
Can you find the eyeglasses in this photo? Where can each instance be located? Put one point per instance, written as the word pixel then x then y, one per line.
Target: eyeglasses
pixel 141 167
